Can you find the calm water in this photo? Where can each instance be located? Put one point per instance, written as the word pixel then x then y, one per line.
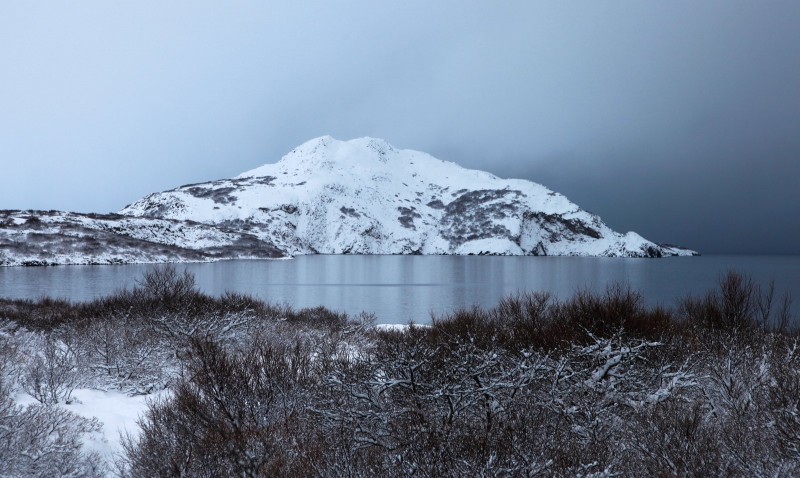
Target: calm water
pixel 402 288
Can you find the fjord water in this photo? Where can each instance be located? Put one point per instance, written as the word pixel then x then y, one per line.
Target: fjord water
pixel 399 289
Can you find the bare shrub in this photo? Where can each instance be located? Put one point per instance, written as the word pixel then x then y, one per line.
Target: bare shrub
pixel 536 319
pixel 52 373
pixel 676 438
pixel 121 352
pixel 44 314
pixel 527 317
pixel 738 303
pixel 232 415
pixel 45 440
pixel 785 403
pixel 11 345
pixel 172 309
pixel 167 286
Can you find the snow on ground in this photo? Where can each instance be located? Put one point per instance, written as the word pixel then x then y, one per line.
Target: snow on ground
pixel 116 411
pixel 398 327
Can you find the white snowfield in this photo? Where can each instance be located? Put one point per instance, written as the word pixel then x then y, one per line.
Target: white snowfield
pixel 365 196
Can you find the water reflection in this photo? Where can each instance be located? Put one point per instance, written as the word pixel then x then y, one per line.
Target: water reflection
pixel 403 288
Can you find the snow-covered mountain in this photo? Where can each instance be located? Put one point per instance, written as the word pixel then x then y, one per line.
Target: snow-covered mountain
pixel 366 197
pixel 328 197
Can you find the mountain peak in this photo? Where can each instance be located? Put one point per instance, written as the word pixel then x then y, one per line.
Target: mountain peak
pixel 327 152
pixel 314 145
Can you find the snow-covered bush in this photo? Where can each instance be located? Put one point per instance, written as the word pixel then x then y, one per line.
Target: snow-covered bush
pixel 594 386
pixel 40 439
pixel 45 440
pixel 121 352
pixel 52 372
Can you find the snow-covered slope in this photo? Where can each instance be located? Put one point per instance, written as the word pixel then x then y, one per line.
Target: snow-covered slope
pixel 53 237
pixel 366 197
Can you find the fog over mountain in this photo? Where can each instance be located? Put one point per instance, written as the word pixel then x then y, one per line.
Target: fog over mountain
pixel 678 120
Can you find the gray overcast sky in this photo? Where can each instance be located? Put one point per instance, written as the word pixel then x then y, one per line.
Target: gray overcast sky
pixel 679 120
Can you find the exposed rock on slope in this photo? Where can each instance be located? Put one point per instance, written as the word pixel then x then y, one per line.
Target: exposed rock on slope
pixel 52 237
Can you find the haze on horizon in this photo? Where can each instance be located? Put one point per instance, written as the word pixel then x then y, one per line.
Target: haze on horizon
pixel 678 120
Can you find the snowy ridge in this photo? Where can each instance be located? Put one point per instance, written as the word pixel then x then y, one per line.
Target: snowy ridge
pixel 365 196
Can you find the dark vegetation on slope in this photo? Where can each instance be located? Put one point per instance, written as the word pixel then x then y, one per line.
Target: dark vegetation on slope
pixel 597 385
pixel 52 237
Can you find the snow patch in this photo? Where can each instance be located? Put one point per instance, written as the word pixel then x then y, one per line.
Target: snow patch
pixel 117 412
